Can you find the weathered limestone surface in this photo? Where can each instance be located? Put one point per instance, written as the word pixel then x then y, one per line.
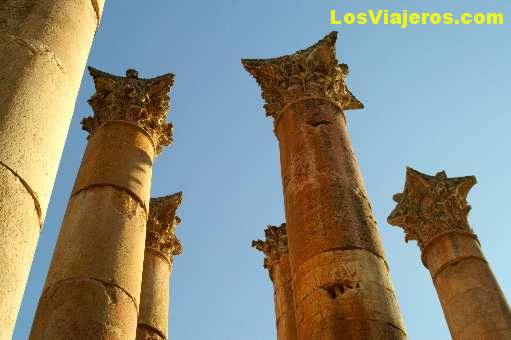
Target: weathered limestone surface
pixel 44 45
pixel 342 288
pixel 18 239
pixel 276 260
pixel 433 210
pixel 160 248
pixel 153 318
pixel 93 286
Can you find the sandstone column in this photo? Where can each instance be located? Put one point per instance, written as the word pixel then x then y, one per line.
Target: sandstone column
pixel 44 45
pixel 161 245
pixel 341 281
pixel 433 210
pixel 277 262
pixel 93 285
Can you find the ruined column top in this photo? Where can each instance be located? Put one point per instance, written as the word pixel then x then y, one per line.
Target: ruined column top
pixel 310 73
pixel 161 225
pixel 144 102
pixel 274 246
pixel 431 206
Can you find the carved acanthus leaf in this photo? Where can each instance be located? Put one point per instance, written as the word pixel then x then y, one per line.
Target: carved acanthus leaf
pixel 432 205
pixel 144 102
pixel 274 246
pixel 313 72
pixel 161 225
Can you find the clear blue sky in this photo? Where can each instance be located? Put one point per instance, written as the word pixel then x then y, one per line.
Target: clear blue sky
pixel 437 97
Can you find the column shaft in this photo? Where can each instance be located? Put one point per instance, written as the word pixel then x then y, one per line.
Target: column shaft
pixel 93 286
pixel 342 287
pixel 275 248
pixel 284 300
pixel 471 298
pixel 433 210
pixel 44 46
pixel 161 246
pixel 154 300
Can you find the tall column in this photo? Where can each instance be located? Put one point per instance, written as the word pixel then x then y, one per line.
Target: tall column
pixel 44 45
pixel 433 210
pixel 277 262
pixel 341 281
pixel 93 285
pixel 161 245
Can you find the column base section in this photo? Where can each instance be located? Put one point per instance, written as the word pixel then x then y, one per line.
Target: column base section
pixel 346 294
pixel 145 332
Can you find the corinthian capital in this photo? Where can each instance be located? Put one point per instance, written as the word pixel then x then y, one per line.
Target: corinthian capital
pixel 432 205
pixel 274 246
pixel 313 72
pixel 144 102
pixel 161 225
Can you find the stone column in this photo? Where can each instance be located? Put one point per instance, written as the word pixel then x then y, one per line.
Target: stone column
pixel 341 281
pixel 277 262
pixel 433 210
pixel 161 245
pixel 93 285
pixel 44 45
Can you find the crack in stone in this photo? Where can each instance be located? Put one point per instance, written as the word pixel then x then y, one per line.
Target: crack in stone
pixel 334 249
pixel 152 329
pixel 106 284
pixel 394 326
pixel 455 262
pixel 319 122
pixel 30 191
pixel 109 285
pixel 36 47
pixel 129 192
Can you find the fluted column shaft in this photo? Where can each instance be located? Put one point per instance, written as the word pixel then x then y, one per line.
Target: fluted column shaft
pixel 275 248
pixel 93 286
pixel 161 247
pixel 43 49
pixel 342 287
pixel 433 211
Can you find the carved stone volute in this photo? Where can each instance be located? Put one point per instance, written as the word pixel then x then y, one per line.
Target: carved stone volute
pixel 161 225
pixel 432 205
pixel 313 72
pixel 144 102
